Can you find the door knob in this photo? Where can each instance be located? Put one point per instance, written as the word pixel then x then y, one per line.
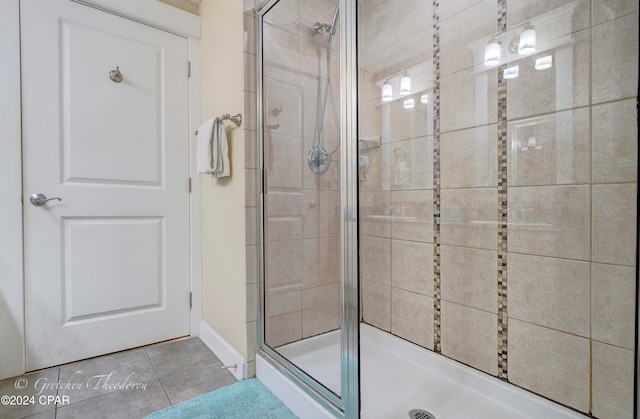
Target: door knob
pixel 39 199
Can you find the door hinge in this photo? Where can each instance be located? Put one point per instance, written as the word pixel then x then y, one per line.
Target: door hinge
pixel 190 300
pixel 189 185
pixel 188 68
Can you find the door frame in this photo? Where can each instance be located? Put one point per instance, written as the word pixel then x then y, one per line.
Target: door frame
pixel 149 12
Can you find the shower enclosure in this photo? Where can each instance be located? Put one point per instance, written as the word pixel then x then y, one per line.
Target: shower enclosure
pixel 309 278
pixel 448 206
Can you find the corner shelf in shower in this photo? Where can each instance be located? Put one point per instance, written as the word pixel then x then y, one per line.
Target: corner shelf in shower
pixel 371 142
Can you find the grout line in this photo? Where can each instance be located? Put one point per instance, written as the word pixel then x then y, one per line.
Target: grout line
pixel 158 376
pixel 590 29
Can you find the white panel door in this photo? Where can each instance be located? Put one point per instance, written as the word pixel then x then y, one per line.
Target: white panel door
pixel 107 267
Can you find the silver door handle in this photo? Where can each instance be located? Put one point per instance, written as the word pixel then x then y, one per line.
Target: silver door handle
pixel 39 199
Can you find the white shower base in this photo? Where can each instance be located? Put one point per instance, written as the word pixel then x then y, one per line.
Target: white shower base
pixel 397 376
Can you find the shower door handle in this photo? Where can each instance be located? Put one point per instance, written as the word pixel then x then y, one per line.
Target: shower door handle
pixel 39 199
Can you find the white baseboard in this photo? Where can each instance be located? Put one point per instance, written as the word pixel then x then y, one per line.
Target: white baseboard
pixel 225 352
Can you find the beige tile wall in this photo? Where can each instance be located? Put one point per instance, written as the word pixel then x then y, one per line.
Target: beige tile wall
pixel 468 101
pixel 571 195
pixel 617 149
pixel 550 221
pixel 469 217
pixel 550 292
pixel 613 289
pixel 612 381
pixel 411 316
pixel 613 222
pixel 468 158
pixel 468 161
pixel 417 225
pixel 251 187
pixel 549 362
pixel 412 266
pixel 572 200
pixel 614 41
pixel 301 208
pixel 572 215
pixel 396 212
pixel 468 336
pixel 615 143
pixel 552 91
pixel 469 277
pixel 564 143
pixel 376 304
pixel 461 29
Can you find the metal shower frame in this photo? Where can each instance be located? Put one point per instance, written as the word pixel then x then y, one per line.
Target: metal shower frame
pixel 348 403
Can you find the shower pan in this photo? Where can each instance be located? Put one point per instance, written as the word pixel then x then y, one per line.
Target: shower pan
pixel 448 216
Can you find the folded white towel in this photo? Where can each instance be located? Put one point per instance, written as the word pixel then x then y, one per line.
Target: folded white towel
pixel 204 161
pixel 213 149
pixel 220 149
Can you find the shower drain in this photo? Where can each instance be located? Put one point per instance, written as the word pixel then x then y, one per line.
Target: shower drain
pixel 421 414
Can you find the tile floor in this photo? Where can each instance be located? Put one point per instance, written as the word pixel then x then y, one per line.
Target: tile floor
pixel 128 384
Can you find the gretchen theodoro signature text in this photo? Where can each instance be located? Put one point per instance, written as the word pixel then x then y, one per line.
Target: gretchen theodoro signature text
pixel 96 382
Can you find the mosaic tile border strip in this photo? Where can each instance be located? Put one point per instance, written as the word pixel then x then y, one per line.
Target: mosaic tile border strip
pixel 502 207
pixel 437 300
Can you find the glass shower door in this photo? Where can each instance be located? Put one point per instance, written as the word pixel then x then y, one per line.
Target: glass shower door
pixel 302 226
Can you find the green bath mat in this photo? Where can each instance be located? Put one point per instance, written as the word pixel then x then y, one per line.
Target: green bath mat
pixel 245 399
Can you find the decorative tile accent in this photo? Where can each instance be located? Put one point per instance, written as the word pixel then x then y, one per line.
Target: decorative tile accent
pixel 437 300
pixel 503 148
pixel 502 16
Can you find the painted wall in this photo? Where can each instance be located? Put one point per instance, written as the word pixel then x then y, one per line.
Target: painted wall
pixel 223 201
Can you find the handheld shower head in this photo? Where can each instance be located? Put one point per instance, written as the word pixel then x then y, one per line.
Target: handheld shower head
pixel 334 21
pixel 330 29
pixel 320 27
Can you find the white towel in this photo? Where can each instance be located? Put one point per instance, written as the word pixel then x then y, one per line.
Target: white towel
pixel 213 150
pixel 204 163
pixel 220 149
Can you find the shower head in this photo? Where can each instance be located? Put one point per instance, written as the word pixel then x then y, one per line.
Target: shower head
pixel 322 27
pixel 334 22
pixel 330 29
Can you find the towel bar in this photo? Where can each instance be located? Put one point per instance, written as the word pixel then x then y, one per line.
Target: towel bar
pixel 236 119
